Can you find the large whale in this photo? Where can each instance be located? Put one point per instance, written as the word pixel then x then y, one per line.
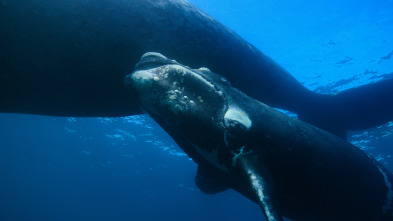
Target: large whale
pixel 289 167
pixel 69 58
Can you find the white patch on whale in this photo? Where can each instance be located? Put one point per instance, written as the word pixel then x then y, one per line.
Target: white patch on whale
pixel 237 155
pixel 389 194
pixel 203 69
pixel 258 187
pixel 180 69
pixel 154 54
pixel 237 115
pixel 142 77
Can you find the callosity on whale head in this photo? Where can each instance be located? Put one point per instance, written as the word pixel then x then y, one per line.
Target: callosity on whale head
pixel 288 167
pixel 187 100
pixel 174 90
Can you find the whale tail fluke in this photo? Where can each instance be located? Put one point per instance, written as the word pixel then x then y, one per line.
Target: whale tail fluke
pixel 357 108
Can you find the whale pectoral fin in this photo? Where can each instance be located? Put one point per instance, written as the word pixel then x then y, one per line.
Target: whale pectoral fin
pixel 209 179
pixel 261 184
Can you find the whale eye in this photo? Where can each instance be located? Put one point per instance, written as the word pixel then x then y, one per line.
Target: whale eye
pixel 236 119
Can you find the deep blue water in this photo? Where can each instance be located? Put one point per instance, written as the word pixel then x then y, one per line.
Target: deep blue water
pixel 55 168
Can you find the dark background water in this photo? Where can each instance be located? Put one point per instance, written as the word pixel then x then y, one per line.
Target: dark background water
pixel 128 168
pixel 102 169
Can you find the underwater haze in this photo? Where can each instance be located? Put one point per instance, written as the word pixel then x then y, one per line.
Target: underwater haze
pixel 128 168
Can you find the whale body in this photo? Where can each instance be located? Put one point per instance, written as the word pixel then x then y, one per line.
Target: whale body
pixel 69 58
pixel 290 168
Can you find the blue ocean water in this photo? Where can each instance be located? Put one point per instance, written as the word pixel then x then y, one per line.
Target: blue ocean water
pixel 54 168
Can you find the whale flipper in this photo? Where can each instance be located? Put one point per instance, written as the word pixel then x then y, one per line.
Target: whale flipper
pixel 207 180
pixel 262 186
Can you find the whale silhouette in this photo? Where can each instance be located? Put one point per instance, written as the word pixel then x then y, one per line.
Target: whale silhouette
pixel 69 58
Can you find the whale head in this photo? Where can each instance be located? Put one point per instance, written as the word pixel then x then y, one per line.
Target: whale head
pixel 180 96
pixel 195 103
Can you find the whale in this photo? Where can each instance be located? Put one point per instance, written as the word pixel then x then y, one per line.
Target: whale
pixel 69 58
pixel 290 168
